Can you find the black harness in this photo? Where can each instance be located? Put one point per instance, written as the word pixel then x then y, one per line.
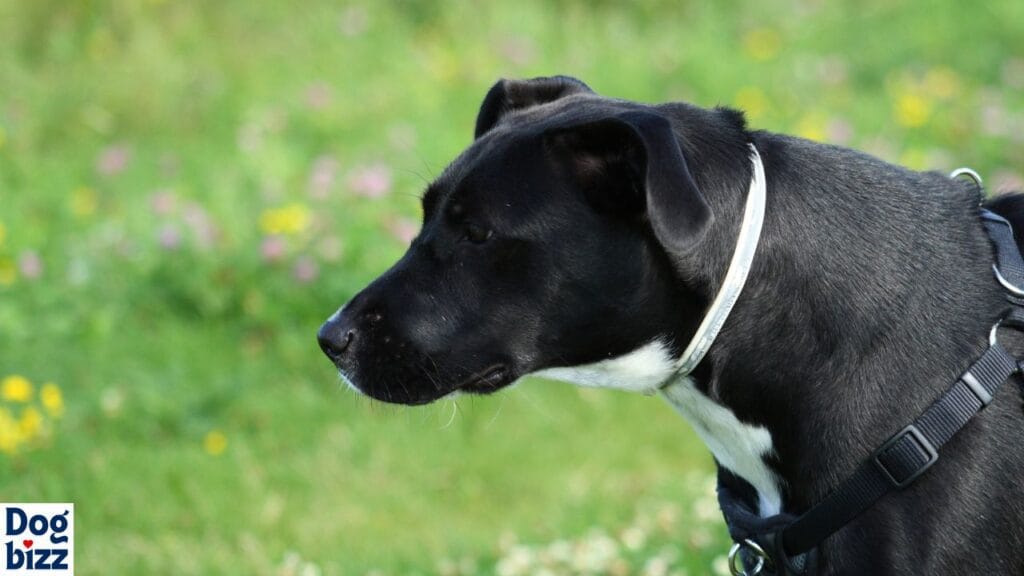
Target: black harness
pixel 785 544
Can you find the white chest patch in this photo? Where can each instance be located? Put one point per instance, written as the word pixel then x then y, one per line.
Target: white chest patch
pixel 737 446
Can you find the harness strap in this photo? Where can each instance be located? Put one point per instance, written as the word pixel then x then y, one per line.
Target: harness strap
pixel 910 452
pixel 907 454
pixel 1009 266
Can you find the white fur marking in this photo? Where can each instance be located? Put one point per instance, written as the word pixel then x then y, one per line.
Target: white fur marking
pixel 642 370
pixel 737 446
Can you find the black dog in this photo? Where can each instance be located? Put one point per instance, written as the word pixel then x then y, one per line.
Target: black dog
pixel 583 237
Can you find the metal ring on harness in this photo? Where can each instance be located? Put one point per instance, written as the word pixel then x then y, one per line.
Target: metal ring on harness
pixel 965 171
pixel 1006 283
pixel 734 555
pixel 992 333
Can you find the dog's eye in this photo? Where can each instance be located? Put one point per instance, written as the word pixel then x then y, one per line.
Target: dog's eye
pixel 476 234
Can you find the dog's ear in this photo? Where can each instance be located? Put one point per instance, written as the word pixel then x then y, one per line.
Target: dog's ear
pixel 633 163
pixel 510 95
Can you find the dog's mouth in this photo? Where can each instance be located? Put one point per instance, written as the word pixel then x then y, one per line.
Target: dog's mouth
pixel 487 380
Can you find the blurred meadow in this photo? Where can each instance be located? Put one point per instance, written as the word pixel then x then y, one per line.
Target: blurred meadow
pixel 187 189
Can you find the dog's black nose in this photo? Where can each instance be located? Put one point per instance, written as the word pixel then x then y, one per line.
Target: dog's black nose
pixel 335 336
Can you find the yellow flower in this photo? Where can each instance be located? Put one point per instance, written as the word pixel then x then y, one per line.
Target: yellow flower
pixel 15 388
pixel 84 201
pixel 762 43
pixel 752 100
pixel 912 110
pixel 8 272
pixel 31 423
pixel 811 127
pixel 52 400
pixel 215 443
pixel 289 219
pixel 10 435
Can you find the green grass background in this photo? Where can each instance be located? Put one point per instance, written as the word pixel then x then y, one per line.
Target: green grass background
pixel 228 107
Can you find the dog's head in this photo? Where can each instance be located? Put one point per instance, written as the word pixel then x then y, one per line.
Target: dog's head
pixel 548 243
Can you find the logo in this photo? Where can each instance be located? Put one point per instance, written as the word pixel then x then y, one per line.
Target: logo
pixel 37 539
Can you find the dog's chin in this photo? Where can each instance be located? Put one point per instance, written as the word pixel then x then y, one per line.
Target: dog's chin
pixel 410 393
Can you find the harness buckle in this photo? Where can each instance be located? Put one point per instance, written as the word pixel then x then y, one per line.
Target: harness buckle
pixel 905 456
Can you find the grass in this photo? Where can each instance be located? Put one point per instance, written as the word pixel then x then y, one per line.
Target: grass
pixel 187 189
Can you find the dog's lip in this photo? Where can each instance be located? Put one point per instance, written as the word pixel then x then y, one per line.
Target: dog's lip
pixel 487 380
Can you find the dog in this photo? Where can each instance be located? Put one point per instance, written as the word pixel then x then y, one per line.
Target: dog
pixel 582 238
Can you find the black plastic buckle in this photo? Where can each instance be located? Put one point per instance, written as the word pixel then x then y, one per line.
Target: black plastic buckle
pixel 923 444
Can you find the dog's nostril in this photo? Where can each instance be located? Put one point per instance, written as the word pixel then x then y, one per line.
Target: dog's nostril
pixel 346 341
pixel 334 346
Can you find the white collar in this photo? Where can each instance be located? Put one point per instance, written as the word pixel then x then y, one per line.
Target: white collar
pixel 735 276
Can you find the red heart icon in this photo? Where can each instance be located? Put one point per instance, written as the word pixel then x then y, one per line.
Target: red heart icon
pixel 27 543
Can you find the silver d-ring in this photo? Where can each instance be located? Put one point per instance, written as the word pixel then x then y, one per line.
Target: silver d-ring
pixel 1006 283
pixel 734 555
pixel 992 333
pixel 965 171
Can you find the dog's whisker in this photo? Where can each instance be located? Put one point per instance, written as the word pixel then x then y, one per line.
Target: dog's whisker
pixel 451 419
pixel 497 412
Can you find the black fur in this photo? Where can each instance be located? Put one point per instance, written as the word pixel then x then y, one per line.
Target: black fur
pixel 577 228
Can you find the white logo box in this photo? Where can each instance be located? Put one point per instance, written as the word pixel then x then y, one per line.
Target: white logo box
pixel 37 538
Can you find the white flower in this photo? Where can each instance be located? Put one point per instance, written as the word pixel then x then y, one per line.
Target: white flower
pixel 657 566
pixel 517 561
pixel 595 554
pixel 633 538
pixel 720 566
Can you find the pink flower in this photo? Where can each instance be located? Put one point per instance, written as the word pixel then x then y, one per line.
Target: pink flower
pixel 330 248
pixel 403 229
pixel 318 96
pixel 373 181
pixel 306 269
pixel 169 237
pixel 994 119
pixel 1007 181
pixel 518 51
pixel 198 220
pixel 354 21
pixel 839 131
pixel 113 160
pixel 322 177
pixel 30 265
pixel 832 71
pixel 272 248
pixel 163 202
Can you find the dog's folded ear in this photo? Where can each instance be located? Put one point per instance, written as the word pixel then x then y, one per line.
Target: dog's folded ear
pixel 632 163
pixel 510 95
